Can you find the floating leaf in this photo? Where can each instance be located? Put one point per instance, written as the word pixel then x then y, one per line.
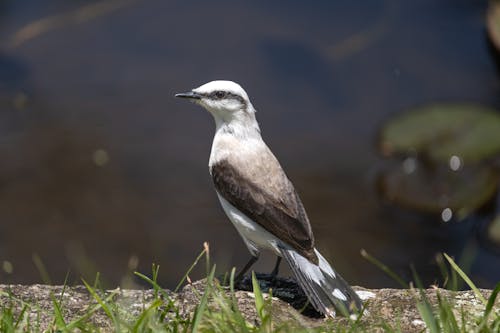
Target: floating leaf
pixel 439 190
pixel 439 132
pixel 494 230
pixel 493 24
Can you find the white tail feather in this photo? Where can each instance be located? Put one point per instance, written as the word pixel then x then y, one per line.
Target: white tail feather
pixel 326 290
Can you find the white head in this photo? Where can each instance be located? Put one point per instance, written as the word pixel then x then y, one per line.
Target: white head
pixel 227 102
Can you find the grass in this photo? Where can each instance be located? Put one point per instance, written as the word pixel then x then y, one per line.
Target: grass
pixel 217 310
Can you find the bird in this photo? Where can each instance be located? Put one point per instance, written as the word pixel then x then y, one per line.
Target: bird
pixel 261 201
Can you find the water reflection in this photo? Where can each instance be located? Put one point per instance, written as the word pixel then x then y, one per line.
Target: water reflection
pixel 100 164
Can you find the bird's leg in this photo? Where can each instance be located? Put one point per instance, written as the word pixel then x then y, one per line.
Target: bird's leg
pixel 249 264
pixel 276 268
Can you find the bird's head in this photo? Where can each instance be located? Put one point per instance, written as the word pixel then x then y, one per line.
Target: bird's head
pixel 225 100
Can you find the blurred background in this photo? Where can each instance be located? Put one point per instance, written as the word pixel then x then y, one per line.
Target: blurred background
pixel 103 170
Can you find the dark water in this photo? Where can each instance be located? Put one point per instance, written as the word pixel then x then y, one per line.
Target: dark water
pixel 102 169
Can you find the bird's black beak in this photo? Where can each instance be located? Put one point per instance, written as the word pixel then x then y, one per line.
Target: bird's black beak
pixel 190 95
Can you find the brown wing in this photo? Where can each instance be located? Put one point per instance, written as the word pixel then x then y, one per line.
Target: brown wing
pixel 283 215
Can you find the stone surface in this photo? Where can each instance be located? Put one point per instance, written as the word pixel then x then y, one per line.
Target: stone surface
pixel 396 307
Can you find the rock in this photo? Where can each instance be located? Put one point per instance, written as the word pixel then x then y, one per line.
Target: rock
pixel 396 307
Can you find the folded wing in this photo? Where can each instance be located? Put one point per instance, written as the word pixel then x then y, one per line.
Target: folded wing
pixel 274 205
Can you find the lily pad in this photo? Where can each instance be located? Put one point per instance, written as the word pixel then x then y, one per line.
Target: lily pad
pixel 493 24
pixel 440 190
pixel 494 230
pixel 440 132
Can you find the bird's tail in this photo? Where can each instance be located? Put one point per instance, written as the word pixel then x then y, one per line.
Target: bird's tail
pixel 324 287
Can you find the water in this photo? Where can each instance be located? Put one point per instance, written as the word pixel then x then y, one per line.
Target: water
pixel 100 81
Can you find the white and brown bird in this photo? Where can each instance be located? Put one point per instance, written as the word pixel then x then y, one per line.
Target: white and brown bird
pixel 260 200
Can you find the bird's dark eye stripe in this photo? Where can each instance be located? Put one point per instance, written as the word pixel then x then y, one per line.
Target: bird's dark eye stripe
pixel 231 95
pixel 217 94
pixel 220 94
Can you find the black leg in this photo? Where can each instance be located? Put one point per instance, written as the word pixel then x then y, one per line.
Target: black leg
pixel 249 264
pixel 276 268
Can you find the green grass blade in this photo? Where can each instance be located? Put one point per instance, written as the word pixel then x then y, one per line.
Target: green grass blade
pixel 463 319
pixel 492 299
pixel 236 313
pixel 145 314
pixel 6 320
pixel 59 318
pixel 65 285
pixel 384 268
pixel 206 248
pixel 234 302
pixel 428 317
pixel 200 309
pixel 489 308
pixel 97 280
pixel 102 303
pixel 21 316
pixel 155 287
pixel 443 268
pixel 231 280
pixel 259 299
pixel 446 316
pixel 465 278
pixel 424 306
pixel 189 270
pixel 77 322
pixel 41 269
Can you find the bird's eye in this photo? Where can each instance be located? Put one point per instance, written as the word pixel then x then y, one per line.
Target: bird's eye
pixel 220 94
